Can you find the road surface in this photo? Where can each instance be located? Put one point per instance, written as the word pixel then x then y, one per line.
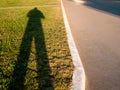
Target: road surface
pixel 95 26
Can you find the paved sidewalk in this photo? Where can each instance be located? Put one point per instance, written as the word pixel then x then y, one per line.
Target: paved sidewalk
pixel 96 29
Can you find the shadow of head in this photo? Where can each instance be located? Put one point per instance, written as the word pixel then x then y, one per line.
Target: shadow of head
pixel 34 19
pixel 35 13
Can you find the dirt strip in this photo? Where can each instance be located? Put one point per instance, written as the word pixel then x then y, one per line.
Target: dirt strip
pixel 15 7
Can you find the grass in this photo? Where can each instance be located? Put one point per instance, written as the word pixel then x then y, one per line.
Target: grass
pixel 34 54
pixel 6 3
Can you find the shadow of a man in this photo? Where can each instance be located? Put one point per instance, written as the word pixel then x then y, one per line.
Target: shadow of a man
pixel 34 31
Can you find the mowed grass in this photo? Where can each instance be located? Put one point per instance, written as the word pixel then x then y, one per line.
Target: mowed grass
pixel 34 55
pixel 6 3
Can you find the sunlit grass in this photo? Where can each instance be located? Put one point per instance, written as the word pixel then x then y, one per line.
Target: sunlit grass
pixel 8 3
pixel 13 23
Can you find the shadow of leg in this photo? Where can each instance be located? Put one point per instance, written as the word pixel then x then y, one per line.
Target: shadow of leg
pixel 20 68
pixel 43 68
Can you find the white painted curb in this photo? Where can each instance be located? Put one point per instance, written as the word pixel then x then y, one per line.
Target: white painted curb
pixel 79 1
pixel 78 74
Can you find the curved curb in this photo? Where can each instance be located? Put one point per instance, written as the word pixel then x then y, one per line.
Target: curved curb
pixel 79 1
pixel 78 82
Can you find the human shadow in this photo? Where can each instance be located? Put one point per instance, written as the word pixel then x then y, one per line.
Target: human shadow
pixel 109 6
pixel 34 31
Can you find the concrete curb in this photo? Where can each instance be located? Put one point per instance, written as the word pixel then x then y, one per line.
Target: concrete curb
pixel 78 74
pixel 79 1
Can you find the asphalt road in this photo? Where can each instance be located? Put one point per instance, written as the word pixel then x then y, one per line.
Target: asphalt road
pixel 95 26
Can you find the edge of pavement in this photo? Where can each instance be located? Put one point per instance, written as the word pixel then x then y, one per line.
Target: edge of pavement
pixel 78 79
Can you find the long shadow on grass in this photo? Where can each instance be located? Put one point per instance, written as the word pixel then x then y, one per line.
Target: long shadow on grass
pixel 33 31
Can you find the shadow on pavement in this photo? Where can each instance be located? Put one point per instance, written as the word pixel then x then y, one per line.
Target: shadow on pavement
pixel 110 6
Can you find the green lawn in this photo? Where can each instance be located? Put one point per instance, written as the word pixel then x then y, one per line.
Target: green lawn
pixel 6 3
pixel 34 53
